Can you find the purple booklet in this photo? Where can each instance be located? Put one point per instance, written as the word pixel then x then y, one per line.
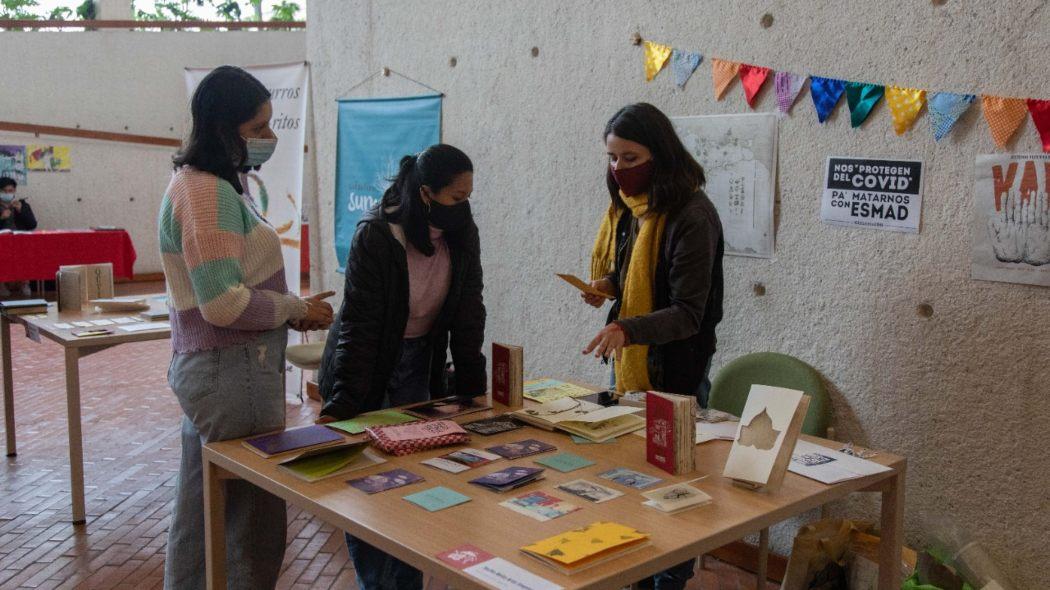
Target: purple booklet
pixel 522 448
pixel 294 439
pixel 509 478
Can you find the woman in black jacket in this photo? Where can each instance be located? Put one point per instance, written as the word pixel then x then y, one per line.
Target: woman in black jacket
pixel 658 254
pixel 413 291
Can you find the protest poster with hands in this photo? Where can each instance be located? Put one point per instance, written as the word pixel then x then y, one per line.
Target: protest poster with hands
pixel 1011 224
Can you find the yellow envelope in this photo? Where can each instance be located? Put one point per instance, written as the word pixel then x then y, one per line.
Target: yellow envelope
pixel 574 547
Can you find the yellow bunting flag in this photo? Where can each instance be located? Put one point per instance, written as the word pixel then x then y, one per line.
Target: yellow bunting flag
pixel 905 106
pixel 655 59
pixel 1004 115
pixel 722 73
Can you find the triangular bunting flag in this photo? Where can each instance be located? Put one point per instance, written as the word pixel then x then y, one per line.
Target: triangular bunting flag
pixel 1040 110
pixel 655 59
pixel 862 98
pixel 752 78
pixel 788 87
pixel 905 106
pixel 826 93
pixel 722 73
pixel 1004 115
pixel 683 64
pixel 945 109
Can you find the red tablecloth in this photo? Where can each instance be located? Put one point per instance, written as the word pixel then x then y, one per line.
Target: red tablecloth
pixel 37 255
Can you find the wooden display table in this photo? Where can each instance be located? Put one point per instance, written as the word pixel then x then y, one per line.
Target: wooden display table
pixel 415 536
pixel 75 348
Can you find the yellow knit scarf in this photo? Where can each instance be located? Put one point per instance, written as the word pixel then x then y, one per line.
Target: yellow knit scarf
pixel 632 370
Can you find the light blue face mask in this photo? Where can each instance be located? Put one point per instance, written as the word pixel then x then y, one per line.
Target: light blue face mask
pixel 259 150
pixel 7 197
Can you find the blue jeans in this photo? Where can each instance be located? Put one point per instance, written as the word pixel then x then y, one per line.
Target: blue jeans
pixel 227 393
pixel 410 383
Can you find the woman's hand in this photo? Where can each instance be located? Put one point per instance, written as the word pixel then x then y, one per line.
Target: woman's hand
pixel 325 420
pixel 603 285
pixel 318 313
pixel 610 341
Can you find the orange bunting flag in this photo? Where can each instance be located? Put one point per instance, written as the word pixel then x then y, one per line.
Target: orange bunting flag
pixel 722 73
pixel 905 106
pixel 1040 110
pixel 1004 115
pixel 752 78
pixel 655 59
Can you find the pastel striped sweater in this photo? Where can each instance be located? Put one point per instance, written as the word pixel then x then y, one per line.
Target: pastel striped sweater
pixel 223 265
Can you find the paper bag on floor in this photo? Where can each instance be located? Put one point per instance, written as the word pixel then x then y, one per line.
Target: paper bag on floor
pixel 817 546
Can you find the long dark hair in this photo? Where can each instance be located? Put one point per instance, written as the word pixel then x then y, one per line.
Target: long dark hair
pixel 677 177
pixel 225 99
pixel 435 167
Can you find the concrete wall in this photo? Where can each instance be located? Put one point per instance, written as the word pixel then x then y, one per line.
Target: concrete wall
pixel 120 81
pixel 962 394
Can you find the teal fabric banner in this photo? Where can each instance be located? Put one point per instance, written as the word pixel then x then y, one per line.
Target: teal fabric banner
pixel 861 98
pixel 373 135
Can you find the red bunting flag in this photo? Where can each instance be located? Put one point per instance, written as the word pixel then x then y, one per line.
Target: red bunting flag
pixel 752 78
pixel 1040 110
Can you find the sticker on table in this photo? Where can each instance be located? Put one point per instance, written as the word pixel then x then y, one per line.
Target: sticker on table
pixel 565 462
pixel 630 478
pixel 381 482
pixel 437 498
pixel 464 556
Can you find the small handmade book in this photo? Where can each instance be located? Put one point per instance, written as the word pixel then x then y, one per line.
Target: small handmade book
pixel 676 498
pixel 509 478
pixel 521 448
pixel 403 439
pixel 540 506
pixel 359 423
pixel 322 463
pixel 508 374
pixel 574 551
pixel 490 426
pixel 294 439
pixel 669 431
pixel 446 407
pixel 769 428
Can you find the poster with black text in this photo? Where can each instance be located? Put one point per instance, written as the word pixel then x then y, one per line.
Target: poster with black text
pixel 877 194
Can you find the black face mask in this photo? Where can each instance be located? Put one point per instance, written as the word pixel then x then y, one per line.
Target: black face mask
pixel 450 217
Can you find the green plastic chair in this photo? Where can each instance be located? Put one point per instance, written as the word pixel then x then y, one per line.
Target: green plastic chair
pixel 732 384
pixel 729 393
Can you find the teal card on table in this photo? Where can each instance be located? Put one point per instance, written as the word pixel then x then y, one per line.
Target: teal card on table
pixel 437 498
pixel 565 462
pixel 584 441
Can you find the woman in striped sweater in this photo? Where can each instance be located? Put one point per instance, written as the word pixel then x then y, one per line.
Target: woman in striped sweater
pixel 230 312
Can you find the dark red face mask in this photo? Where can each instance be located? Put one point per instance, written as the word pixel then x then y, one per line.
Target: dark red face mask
pixel 635 180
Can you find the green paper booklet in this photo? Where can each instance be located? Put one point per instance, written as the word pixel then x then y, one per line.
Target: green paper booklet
pixel 565 462
pixel 358 424
pixel 437 498
pixel 328 462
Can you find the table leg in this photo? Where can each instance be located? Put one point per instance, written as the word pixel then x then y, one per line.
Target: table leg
pixel 763 559
pixel 76 441
pixel 214 526
pixel 9 386
pixel 891 533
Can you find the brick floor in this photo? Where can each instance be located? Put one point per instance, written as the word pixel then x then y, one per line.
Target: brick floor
pixel 131 450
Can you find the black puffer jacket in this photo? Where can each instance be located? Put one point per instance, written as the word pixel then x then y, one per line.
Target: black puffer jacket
pixel 365 338
pixel 687 296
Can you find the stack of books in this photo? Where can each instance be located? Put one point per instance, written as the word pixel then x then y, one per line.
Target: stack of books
pixel 322 463
pixel 580 549
pixel 23 307
pixel 295 439
pixel 670 432
pixel 582 418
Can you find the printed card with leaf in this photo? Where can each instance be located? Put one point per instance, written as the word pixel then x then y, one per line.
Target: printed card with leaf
pixel 769 428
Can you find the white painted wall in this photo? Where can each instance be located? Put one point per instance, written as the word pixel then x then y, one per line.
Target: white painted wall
pixel 962 394
pixel 120 81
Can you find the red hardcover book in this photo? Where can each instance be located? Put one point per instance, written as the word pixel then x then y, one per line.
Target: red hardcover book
pixel 507 374
pixel 659 432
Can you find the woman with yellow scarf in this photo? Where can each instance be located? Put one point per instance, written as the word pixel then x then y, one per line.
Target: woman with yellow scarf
pixel 658 255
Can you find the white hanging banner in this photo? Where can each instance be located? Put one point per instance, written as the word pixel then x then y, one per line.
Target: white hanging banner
pixel 277 186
